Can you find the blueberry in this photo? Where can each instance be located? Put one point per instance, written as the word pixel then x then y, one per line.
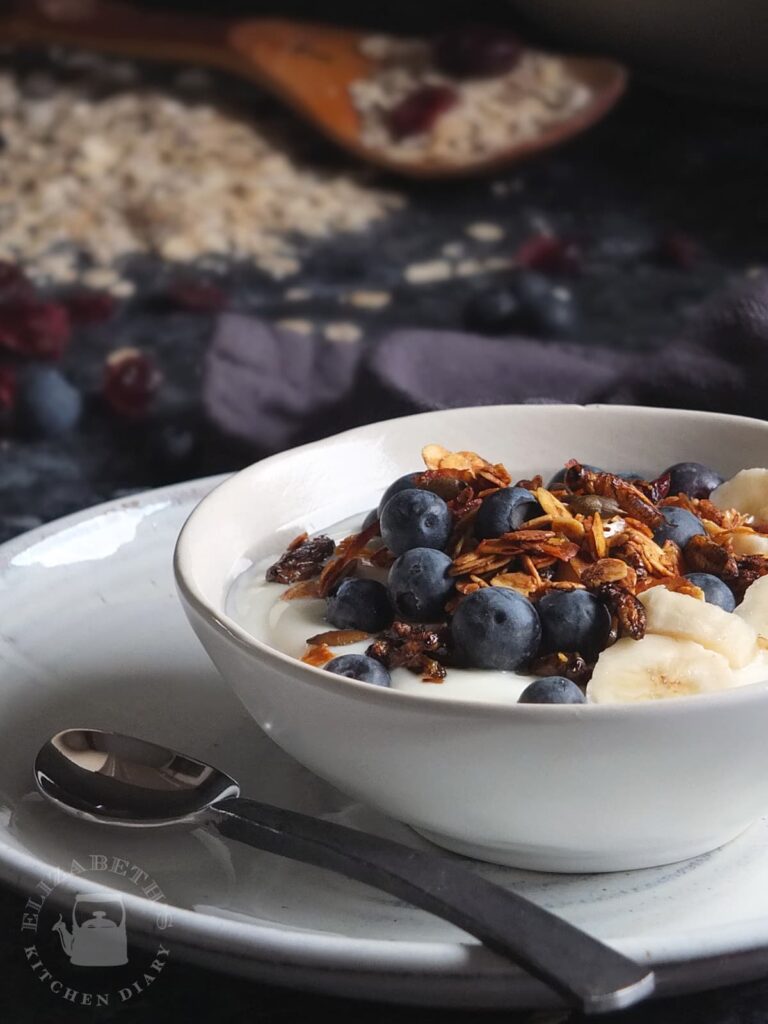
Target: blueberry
pixel 359 604
pixel 506 510
pixel 415 519
pixel 573 620
pixel 529 304
pixel 47 404
pixel 715 591
pixel 496 628
pixel 679 525
pixel 693 479
pixel 631 475
pixel 496 311
pixel 359 666
pixel 552 690
pixel 549 312
pixel 559 476
pixel 419 584
pixel 401 484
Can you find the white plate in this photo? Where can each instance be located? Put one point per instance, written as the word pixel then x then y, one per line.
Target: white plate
pixel 92 634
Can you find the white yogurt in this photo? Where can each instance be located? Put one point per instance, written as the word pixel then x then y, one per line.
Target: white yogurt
pixel 286 626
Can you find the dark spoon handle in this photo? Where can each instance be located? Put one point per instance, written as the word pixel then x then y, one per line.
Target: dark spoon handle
pixel 585 972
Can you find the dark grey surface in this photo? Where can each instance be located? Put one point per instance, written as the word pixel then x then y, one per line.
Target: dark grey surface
pixel 658 163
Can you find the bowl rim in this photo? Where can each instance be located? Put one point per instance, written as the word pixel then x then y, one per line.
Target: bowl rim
pixel 260 650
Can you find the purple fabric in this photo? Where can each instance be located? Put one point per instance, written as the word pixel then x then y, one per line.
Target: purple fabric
pixel 275 388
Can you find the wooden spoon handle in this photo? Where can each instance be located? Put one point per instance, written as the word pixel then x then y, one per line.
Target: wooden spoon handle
pixel 120 28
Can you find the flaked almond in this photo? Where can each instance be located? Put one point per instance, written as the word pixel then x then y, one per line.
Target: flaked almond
pixel 520 581
pixel 606 570
pixel 338 637
pixel 301 591
pixel 318 655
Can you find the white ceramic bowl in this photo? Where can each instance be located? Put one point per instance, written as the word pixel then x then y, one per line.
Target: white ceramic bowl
pixel 553 788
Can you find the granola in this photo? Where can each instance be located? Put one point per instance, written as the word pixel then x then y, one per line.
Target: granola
pixel 589 540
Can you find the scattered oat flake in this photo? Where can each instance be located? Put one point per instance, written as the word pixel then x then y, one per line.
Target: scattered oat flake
pixel 297 294
pixel 429 272
pixel 368 299
pixel 108 166
pixel 453 250
pixel 342 331
pixel 483 232
pixel 296 326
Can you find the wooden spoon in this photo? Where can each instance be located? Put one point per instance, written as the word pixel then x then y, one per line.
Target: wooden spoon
pixel 308 66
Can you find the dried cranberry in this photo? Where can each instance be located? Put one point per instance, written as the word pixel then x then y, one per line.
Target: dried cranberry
pixel 676 249
pixel 197 296
pixel 549 254
pixel 8 391
pixel 32 327
pixel 476 51
pixel 418 112
pixel 90 307
pixel 131 379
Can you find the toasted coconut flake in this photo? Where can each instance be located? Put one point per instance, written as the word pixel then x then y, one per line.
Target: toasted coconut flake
pixel 318 655
pixel 338 637
pixel 297 541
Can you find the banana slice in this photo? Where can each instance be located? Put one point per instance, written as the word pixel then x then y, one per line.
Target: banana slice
pixel 749 543
pixel 657 667
pixel 747 492
pixel 686 618
pixel 754 608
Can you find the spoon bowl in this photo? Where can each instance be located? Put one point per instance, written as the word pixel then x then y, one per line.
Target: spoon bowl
pixel 120 780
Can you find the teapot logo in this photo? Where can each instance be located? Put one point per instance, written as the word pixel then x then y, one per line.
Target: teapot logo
pixel 98 937
pixel 75 919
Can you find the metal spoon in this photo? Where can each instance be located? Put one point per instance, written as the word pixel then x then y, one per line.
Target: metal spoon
pixel 118 780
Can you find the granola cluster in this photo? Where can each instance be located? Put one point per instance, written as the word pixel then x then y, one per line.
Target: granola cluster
pixel 595 532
